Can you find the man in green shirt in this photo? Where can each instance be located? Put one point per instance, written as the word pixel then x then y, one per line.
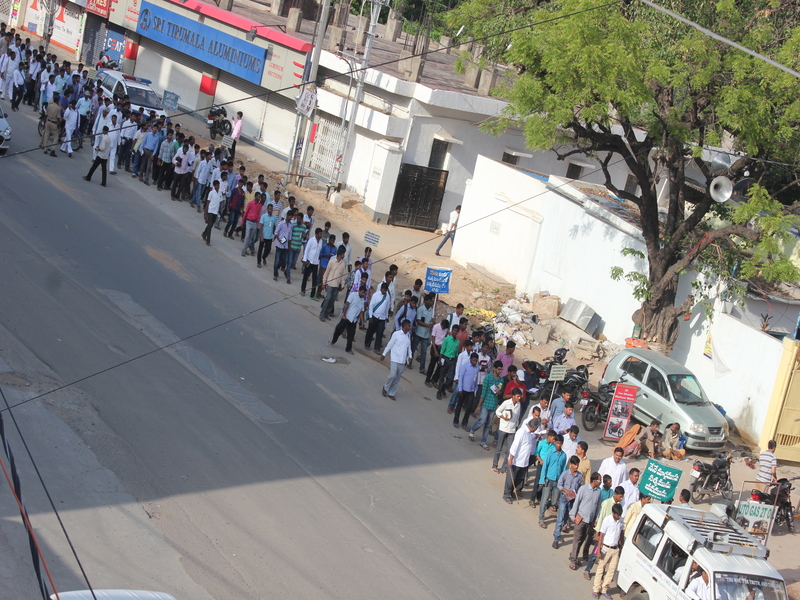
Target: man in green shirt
pixel 448 354
pixel 492 386
pixel 295 244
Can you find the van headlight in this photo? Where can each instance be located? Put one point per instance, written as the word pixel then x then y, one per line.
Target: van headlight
pixel 697 428
pixel 725 427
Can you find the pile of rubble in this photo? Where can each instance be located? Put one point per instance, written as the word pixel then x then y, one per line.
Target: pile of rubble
pixel 535 321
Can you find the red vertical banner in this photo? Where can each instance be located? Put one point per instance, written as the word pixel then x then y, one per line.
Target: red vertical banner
pixel 620 411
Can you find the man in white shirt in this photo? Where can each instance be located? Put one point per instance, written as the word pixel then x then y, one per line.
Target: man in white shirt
pixel 101 150
pixel 609 537
pixel 508 413
pixel 400 347
pixel 311 263
pixel 214 203
pixel 378 313
pixel 182 163
pixel 631 486
pixel 126 135
pixel 113 138
pixel 203 176
pixel 70 125
pixel 519 457
pixel 571 440
pixel 614 467
pixel 17 87
pixel 699 588
pixel 451 228
pixel 351 311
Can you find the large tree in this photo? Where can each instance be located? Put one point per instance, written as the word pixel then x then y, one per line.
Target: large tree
pixel 626 83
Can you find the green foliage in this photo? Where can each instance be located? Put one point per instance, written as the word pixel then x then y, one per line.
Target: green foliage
pixel 589 76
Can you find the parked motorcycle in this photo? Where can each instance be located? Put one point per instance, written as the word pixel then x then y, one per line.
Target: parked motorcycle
pixel 710 479
pixel 218 122
pixel 595 405
pixel 784 512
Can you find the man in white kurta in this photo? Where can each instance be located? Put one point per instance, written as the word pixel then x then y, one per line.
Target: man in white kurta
pixel 70 125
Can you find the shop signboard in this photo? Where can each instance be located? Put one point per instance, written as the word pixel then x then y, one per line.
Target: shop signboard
pixel 756 518
pixel 98 7
pixel 212 46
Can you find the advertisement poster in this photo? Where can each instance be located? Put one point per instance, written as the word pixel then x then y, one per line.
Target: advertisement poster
pixel 619 415
pixel 659 481
pixel 756 518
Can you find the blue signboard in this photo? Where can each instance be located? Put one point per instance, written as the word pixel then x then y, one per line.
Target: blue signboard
pixel 437 280
pixel 214 47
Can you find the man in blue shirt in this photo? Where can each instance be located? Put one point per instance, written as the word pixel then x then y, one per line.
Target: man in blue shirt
pixel 148 148
pixel 467 386
pixel 558 404
pixel 564 422
pixel 268 223
pixel 552 467
pixel 543 448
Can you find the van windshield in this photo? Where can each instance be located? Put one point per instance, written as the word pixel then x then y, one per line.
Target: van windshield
pixel 686 390
pixel 143 97
pixel 736 586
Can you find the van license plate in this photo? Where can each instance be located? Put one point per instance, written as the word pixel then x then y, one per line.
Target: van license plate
pixel 695 474
pixel 715 439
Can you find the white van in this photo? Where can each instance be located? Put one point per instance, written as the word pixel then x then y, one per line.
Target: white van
pixel 658 558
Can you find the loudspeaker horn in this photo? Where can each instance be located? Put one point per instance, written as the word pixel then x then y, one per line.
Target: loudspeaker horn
pixel 721 189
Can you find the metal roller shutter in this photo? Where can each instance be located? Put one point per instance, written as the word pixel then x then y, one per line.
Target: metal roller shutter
pixel 270 122
pixel 94 39
pixel 170 70
pixel 237 95
pixel 278 129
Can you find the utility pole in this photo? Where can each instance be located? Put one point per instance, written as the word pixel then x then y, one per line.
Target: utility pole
pixel 310 82
pixel 49 18
pixel 339 169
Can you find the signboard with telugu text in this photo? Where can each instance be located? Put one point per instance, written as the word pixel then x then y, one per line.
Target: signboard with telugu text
pixel 307 101
pixel 558 372
pixel 371 239
pixel 659 481
pixel 437 280
pixel 170 101
pixel 620 411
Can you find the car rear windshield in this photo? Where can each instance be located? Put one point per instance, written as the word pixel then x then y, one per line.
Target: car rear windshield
pixel 143 97
pixel 736 586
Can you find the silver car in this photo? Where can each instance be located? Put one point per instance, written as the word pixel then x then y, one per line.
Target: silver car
pixel 671 393
pixel 5 133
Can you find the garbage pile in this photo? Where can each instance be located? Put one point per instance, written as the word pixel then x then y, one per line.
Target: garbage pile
pixel 535 321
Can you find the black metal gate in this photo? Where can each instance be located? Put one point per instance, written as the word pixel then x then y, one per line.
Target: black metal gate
pixel 418 197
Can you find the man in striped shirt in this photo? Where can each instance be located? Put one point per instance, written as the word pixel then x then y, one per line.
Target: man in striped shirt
pixel 768 466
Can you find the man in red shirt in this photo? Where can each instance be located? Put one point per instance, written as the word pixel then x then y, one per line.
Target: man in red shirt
pixel 252 215
pixel 513 383
pixel 463 335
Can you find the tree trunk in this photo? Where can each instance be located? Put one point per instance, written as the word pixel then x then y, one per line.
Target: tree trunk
pixel 660 319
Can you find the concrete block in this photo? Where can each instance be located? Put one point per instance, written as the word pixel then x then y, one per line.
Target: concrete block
pixel 477 51
pixel 545 307
pixel 540 333
pixel 578 313
pixel 276 7
pixel 341 10
pixel 445 42
pixel 487 83
pixel 361 31
pixel 337 39
pixel 393 27
pixel 295 19
pixel 472 76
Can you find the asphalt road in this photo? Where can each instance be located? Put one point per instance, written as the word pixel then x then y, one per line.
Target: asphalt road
pixel 349 495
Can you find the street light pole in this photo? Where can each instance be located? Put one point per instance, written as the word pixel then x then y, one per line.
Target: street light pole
pixel 308 81
pixel 339 169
